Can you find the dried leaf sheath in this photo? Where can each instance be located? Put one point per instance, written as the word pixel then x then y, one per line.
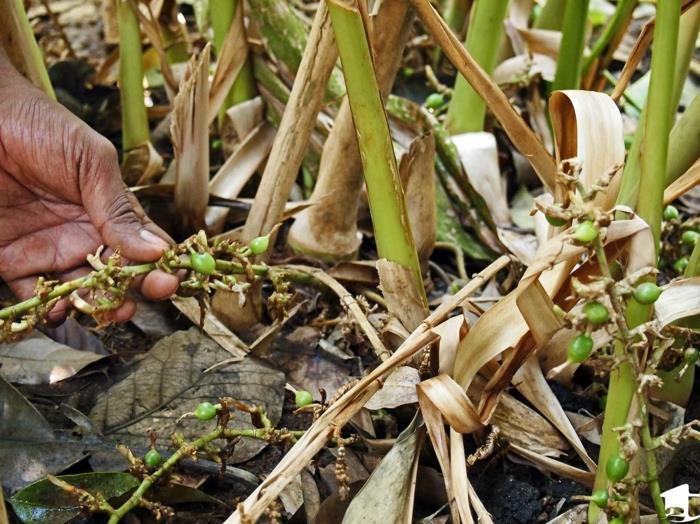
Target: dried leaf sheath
pixel 190 136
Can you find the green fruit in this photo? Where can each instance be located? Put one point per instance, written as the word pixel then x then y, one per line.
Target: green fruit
pixel 151 458
pixel 680 265
pixel 690 237
pixel 555 221
pixel 616 520
pixel 596 313
pixel 203 263
pixel 586 232
pixel 434 100
pixel 600 498
pixel 259 245
pixel 671 213
pixel 580 348
pixel 616 468
pixel 691 355
pixel 205 411
pixel 646 293
pixel 302 398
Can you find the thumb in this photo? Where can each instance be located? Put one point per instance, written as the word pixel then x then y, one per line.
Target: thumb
pixel 115 211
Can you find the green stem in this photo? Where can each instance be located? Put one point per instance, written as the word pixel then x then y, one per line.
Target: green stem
pixel 612 30
pixel 146 484
pixel 552 15
pixel 693 268
pixel 17 38
pixel 221 14
pixel 654 142
pixel 467 110
pixel 386 199
pixel 684 143
pixel 135 131
pixel 568 75
pixel 87 281
pixel 650 455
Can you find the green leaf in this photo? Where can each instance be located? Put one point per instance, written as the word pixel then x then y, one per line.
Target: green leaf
pixel 44 503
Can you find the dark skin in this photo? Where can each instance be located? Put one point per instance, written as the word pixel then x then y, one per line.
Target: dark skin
pixel 62 197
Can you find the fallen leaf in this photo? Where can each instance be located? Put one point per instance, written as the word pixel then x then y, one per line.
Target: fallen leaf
pixel 39 360
pixel 46 503
pixel 398 389
pixel 169 382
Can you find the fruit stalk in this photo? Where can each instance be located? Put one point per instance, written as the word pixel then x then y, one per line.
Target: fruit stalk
pixel 654 137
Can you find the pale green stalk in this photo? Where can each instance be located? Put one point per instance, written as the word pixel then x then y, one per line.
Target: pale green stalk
pixel 386 199
pixel 681 146
pixel 467 110
pixel 551 15
pixel 568 74
pixel 684 147
pixel 221 14
pixel 654 140
pixel 21 47
pixel 135 131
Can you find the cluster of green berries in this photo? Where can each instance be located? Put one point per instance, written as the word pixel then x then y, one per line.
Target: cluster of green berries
pixel 689 238
pixel 205 264
pixel 597 314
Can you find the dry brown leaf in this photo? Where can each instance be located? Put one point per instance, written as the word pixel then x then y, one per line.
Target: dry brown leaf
pixel 435 425
pixel 443 395
pixel 170 381
pixel 680 299
pixel 235 173
pixel 212 326
pixel 556 467
pixel 344 408
pixel 479 156
pixel 190 136
pixel 295 129
pixel 37 359
pixel 387 496
pixel 588 126
pixel 451 332
pixel 417 171
pixel 532 385
pixel 399 389
pixel 141 164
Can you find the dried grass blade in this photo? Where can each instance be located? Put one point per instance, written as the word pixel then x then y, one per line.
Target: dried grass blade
pixel 515 127
pixel 190 136
pixel 556 467
pixel 531 383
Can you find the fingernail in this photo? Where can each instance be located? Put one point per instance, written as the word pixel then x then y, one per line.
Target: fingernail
pixel 154 239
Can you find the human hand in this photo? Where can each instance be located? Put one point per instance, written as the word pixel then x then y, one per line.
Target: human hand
pixel 62 196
